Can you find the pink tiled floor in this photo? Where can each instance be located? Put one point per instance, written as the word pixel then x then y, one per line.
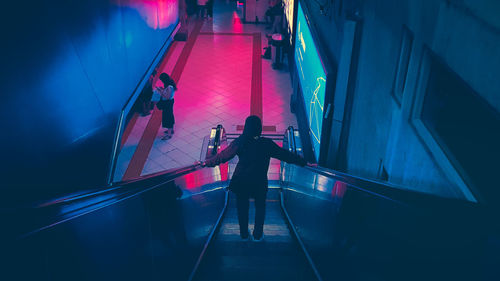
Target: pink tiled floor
pixel 215 85
pixel 215 88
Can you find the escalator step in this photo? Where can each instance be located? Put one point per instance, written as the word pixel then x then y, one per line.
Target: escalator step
pixel 278 257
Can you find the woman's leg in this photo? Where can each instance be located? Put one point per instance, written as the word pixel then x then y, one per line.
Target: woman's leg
pixel 165 123
pixel 210 8
pixel 242 205
pixel 164 118
pixel 260 214
pixel 173 117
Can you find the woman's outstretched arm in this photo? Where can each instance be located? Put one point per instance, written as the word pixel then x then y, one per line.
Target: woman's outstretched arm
pixel 222 157
pixel 285 155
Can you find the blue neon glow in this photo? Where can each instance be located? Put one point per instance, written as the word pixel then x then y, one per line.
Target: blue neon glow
pixel 95 70
pixel 312 77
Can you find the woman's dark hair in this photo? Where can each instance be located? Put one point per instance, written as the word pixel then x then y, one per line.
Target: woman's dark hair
pixel 167 81
pixel 252 130
pixel 253 126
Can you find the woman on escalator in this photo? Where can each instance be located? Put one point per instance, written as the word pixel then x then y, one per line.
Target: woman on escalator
pixel 250 176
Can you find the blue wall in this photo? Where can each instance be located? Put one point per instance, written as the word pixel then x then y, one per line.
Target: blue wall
pixel 68 68
pixel 381 138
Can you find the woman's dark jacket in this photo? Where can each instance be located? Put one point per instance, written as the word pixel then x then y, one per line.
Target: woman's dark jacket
pixel 254 155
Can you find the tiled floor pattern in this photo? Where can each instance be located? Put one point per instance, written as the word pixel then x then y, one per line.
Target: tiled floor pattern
pixel 215 88
pixel 276 85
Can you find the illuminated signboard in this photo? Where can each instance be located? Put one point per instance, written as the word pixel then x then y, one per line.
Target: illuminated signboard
pixel 289 14
pixel 312 77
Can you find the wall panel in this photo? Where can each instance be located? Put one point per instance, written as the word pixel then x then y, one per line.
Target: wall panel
pixel 68 67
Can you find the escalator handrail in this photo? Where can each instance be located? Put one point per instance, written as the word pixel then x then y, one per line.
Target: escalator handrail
pixel 360 184
pixel 291 139
pixel 385 190
pixel 168 175
pixel 49 213
pixel 52 213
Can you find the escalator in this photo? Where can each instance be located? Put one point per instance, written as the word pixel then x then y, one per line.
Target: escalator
pixel 277 257
pixel 182 225
pixel 334 226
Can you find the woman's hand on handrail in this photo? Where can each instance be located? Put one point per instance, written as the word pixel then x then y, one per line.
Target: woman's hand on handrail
pixel 312 165
pixel 201 163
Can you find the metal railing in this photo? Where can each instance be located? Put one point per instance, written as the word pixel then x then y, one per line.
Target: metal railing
pixel 381 189
pixel 56 211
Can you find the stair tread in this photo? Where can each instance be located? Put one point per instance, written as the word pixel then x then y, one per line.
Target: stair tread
pixel 278 257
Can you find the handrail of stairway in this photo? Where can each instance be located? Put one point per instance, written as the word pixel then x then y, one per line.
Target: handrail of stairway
pixel 154 179
pixel 162 177
pixel 364 185
pixel 46 214
pixel 51 213
pixel 385 190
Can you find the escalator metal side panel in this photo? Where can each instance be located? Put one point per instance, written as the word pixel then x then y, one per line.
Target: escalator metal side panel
pixel 298 238
pixel 210 237
pixel 154 235
pixel 353 235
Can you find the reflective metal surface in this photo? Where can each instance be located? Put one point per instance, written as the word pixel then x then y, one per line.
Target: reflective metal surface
pixel 372 231
pixel 277 257
pixel 154 234
pixel 352 235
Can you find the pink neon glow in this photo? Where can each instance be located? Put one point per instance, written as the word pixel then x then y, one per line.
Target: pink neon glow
pixel 339 189
pixel 191 181
pixel 237 24
pixel 158 14
pixel 224 171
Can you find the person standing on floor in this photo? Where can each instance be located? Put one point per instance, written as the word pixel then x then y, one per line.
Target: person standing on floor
pixel 202 8
pixel 166 104
pixel 250 176
pixel 210 9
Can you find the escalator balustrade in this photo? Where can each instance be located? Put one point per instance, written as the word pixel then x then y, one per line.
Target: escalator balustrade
pixel 182 225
